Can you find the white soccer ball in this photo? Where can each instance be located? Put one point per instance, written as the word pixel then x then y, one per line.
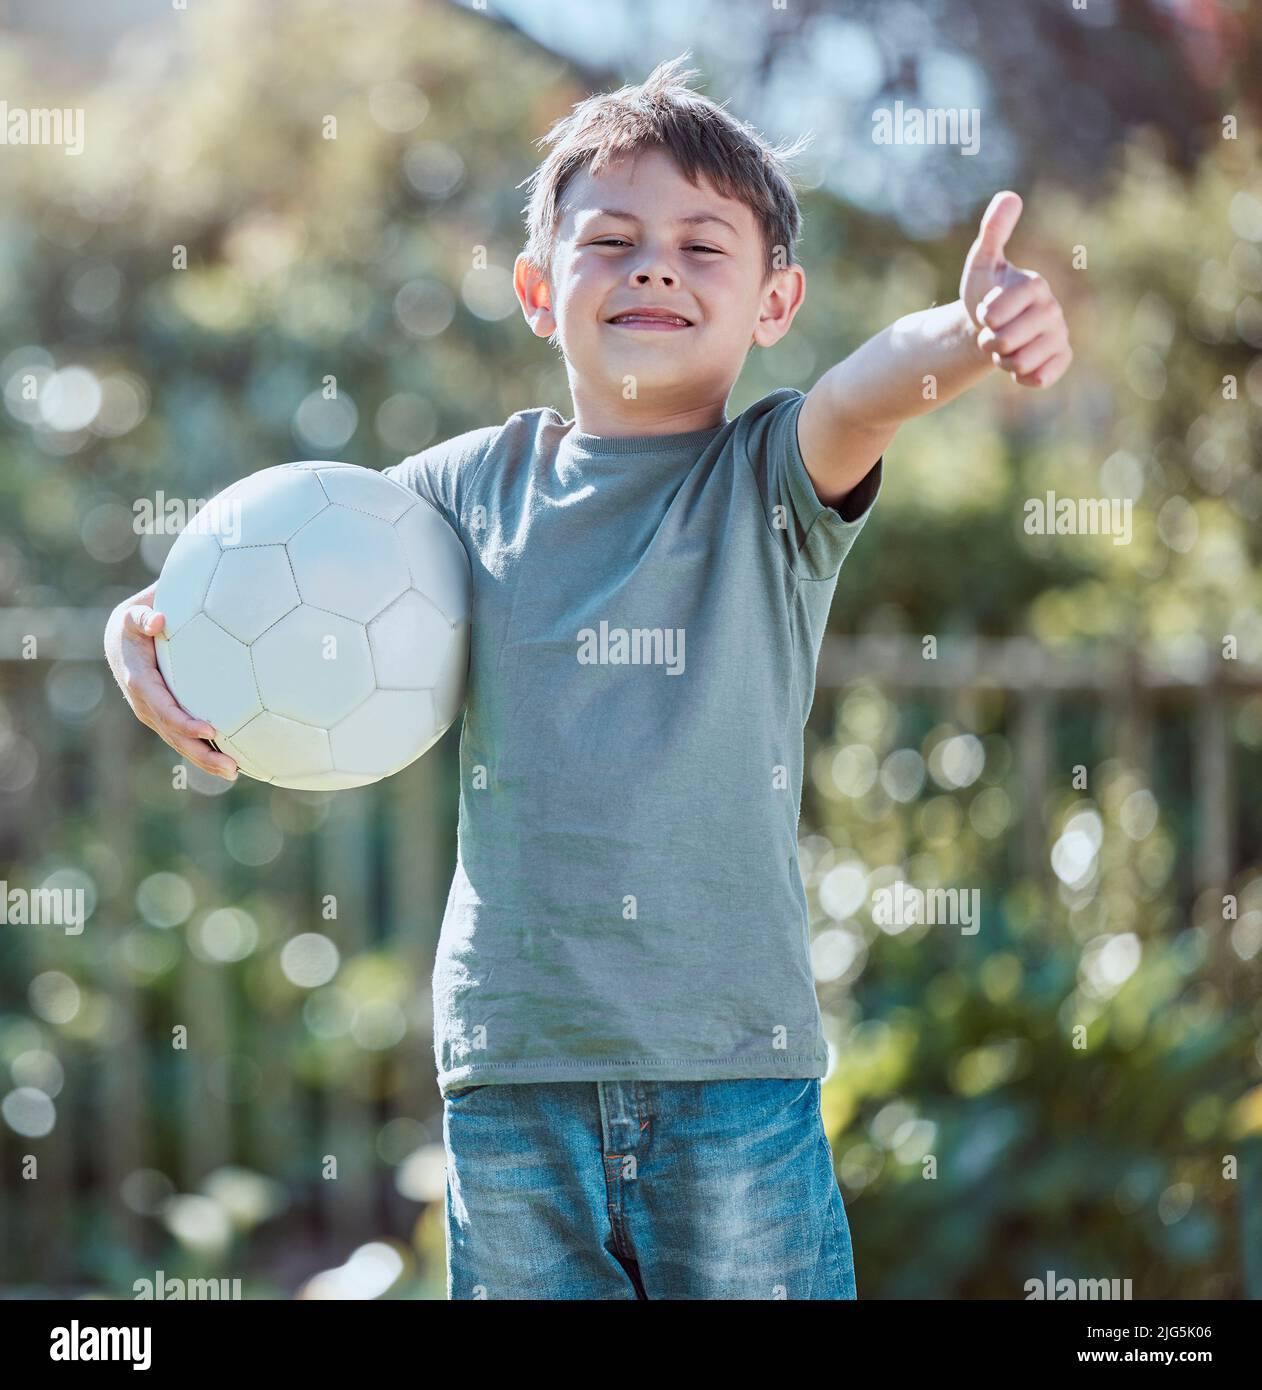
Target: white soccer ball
pixel 317 615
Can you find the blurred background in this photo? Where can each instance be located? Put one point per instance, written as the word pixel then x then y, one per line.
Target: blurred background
pixel 1084 750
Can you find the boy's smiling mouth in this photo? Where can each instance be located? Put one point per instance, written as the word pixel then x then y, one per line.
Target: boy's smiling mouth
pixel 654 319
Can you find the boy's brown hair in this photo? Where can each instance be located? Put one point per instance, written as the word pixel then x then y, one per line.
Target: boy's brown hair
pixel 703 139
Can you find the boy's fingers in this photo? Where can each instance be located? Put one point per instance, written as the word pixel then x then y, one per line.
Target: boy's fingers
pixel 146 684
pixel 137 671
pixel 1017 332
pixel 163 707
pixel 143 620
pixel 1029 358
pixel 1046 373
pixel 217 764
pixel 1004 302
pixel 986 303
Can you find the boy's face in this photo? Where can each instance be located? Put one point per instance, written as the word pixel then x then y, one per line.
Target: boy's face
pixel 640 236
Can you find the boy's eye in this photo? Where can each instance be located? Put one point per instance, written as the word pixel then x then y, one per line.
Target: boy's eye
pixel 610 240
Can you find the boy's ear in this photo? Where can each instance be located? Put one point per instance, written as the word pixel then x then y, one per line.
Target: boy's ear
pixel 535 297
pixel 782 298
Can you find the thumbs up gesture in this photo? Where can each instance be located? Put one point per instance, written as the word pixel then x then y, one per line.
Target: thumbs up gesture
pixel 1018 319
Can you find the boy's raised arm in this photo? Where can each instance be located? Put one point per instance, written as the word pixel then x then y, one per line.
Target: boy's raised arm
pixel 1005 317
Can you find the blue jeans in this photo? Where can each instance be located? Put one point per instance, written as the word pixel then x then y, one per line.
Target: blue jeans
pixel 643 1189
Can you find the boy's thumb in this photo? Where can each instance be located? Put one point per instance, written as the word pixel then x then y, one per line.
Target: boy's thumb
pixel 998 222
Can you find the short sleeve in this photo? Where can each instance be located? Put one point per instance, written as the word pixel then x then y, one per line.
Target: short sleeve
pixel 442 473
pixel 816 537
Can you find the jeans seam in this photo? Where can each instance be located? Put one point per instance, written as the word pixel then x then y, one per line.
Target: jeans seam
pixel 834 1196
pixel 838 1236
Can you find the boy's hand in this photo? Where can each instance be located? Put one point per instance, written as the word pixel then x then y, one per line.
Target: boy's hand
pixel 1021 323
pixel 129 650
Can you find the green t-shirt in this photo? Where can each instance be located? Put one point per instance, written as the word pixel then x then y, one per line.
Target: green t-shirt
pixel 647 617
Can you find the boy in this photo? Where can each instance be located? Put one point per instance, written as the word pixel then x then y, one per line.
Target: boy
pixel 626 1029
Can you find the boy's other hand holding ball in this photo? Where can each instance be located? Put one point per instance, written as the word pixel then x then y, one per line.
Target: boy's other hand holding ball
pixel 129 650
